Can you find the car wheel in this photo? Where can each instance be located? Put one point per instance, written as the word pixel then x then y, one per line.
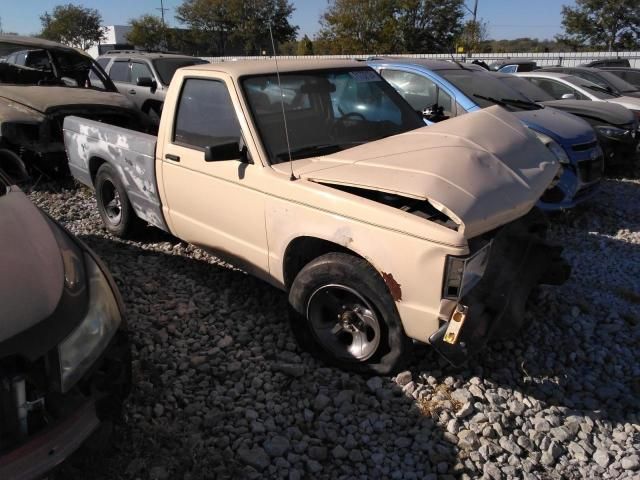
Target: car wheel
pixel 113 204
pixel 343 313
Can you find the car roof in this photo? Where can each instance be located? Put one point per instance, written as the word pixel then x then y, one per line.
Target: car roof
pixel 32 42
pixel 513 61
pixel 542 74
pixel 428 63
pixel 142 54
pixel 561 69
pixel 267 66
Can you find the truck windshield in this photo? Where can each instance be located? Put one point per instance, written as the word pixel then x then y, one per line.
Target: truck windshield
pixel 45 66
pixel 326 111
pixel 166 67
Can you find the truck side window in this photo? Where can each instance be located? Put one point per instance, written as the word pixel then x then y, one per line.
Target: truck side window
pixel 119 71
pixel 205 115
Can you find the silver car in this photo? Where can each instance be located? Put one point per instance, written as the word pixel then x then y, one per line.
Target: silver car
pixel 144 76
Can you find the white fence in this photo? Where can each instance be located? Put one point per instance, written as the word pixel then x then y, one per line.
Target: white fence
pixel 566 59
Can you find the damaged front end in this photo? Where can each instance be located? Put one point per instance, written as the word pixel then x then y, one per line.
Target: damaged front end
pixel 485 294
pixel 65 363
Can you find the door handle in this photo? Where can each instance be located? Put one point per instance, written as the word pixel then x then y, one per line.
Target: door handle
pixel 132 91
pixel 172 157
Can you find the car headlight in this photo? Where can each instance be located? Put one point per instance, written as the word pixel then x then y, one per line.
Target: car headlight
pixel 463 273
pixel 553 147
pixel 79 351
pixel 612 132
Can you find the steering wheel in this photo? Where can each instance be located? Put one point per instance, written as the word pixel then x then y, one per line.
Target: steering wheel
pixel 340 122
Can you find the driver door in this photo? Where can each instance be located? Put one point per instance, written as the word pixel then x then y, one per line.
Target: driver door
pixel 213 204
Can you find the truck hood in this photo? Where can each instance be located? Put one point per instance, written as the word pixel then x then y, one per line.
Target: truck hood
pixel 32 275
pixel 564 128
pixel 47 99
pixel 606 112
pixel 483 169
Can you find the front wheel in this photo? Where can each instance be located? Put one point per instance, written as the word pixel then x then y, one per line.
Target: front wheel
pixel 342 313
pixel 114 207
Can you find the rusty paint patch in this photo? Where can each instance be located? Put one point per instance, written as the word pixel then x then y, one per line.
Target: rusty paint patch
pixel 394 287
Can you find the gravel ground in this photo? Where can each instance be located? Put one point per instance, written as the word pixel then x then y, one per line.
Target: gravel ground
pixel 222 391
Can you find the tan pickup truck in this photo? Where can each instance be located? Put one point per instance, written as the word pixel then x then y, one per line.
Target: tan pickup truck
pixel 381 230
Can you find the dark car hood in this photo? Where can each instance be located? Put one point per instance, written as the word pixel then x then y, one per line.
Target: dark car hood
pixel 32 274
pixel 564 128
pixel 46 99
pixel 607 112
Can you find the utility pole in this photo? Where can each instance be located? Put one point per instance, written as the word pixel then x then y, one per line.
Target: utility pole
pixel 164 25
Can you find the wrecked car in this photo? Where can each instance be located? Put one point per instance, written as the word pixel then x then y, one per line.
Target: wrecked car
pixel 444 90
pixel 41 82
pixel 381 230
pixel 615 125
pixel 65 364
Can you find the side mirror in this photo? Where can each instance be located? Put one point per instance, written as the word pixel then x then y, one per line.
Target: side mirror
pixel 223 151
pixel 568 96
pixel 146 82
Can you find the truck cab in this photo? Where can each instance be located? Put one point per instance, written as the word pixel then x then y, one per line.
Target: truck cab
pixel 318 178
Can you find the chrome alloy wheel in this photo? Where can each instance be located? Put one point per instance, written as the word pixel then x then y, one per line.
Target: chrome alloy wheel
pixel 344 322
pixel 111 202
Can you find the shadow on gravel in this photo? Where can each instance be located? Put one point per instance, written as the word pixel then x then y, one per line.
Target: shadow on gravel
pixel 222 391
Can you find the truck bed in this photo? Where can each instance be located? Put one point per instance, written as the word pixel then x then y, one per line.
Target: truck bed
pixel 132 154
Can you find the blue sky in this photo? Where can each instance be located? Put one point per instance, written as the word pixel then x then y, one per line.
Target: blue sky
pixel 506 18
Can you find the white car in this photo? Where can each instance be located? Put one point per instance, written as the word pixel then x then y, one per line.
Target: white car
pixel 563 86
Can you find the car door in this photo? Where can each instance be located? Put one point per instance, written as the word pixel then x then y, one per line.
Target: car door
pixel 120 75
pixel 145 97
pixel 213 204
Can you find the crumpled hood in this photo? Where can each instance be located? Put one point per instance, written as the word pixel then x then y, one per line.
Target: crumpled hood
pixel 564 128
pixel 45 99
pixel 607 112
pixel 32 273
pixel 485 168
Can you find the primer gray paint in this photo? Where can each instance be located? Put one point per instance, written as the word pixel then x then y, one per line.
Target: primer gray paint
pixel 132 154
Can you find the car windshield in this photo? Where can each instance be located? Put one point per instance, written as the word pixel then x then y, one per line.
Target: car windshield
pixel 527 89
pixel 33 65
pixel 166 67
pixel 486 90
pixel 326 111
pixel 593 89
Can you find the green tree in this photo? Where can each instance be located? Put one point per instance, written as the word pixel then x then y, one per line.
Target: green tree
pixel 148 32
pixel 429 26
pixel 473 35
pixel 72 25
pixel 602 22
pixel 243 22
pixel 305 46
pixel 359 26
pixel 208 19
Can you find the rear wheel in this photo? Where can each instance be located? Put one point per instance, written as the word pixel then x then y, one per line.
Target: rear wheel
pixel 342 313
pixel 114 207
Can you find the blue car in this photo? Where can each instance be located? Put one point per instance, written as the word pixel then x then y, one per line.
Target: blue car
pixel 441 90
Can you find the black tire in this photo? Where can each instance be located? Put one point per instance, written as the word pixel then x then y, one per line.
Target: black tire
pixel 114 207
pixel 354 342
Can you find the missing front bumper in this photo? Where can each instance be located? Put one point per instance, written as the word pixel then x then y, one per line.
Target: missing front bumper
pixel 520 260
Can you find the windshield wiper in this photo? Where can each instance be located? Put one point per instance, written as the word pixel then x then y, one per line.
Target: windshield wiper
pixel 597 88
pixel 314 150
pixel 510 101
